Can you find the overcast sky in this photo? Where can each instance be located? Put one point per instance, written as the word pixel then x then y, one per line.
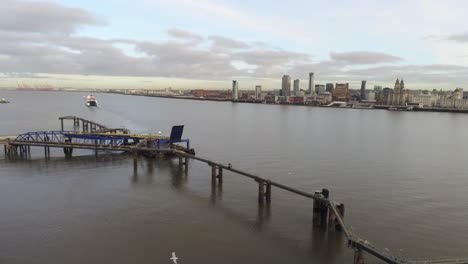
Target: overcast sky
pixel 206 44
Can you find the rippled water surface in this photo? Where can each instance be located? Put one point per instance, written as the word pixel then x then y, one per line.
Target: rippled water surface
pixel 402 175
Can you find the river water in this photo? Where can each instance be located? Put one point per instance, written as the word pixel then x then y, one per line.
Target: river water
pixel 402 176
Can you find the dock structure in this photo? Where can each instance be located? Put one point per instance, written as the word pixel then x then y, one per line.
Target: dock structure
pixel 326 212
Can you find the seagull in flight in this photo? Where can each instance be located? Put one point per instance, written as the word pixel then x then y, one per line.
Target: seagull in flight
pixel 174 258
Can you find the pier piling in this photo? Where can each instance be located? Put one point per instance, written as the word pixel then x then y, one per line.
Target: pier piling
pixel 261 192
pixel 135 162
pixel 213 175
pixel 220 175
pixel 268 191
pixel 358 256
pixel 340 208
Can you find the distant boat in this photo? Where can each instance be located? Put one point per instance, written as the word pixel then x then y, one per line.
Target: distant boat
pixel 91 101
pixel 4 101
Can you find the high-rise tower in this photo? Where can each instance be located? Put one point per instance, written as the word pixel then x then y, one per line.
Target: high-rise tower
pixel 258 92
pixel 311 83
pixel 363 90
pixel 235 90
pixel 296 86
pixel 286 86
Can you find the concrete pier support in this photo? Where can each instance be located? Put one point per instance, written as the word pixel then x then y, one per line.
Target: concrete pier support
pixel 320 210
pixel 213 175
pixel 216 174
pixel 341 209
pixel 135 162
pixel 47 152
pixel 183 162
pixel 261 192
pixel 358 256
pixel 220 175
pixel 264 191
pixel 268 191
pixel 96 150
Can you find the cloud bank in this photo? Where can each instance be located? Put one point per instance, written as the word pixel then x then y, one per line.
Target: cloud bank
pixel 41 37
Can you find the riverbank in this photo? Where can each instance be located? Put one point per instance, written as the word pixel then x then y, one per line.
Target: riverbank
pixel 375 107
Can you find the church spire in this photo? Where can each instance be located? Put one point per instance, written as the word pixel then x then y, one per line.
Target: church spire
pixel 402 84
pixel 397 81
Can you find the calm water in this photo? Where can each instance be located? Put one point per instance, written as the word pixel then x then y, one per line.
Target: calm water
pixel 403 177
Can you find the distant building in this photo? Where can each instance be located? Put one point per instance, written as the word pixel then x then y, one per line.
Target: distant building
pixel 370 96
pixel 296 87
pixel 341 92
pixel 329 87
pixel 385 96
pixel 363 90
pixel 258 92
pixel 323 98
pixel 423 99
pixel 311 83
pixel 458 93
pixel 400 95
pixel 286 86
pixel 319 88
pixel 377 91
pixel 235 90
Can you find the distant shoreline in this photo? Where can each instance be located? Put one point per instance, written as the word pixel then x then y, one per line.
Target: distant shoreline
pixel 376 107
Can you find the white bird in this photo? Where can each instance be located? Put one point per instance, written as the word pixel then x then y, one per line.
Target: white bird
pixel 174 258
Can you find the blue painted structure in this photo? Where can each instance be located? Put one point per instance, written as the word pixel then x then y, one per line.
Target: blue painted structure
pixel 107 141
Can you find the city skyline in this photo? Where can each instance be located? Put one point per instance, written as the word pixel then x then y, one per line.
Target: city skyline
pixel 84 44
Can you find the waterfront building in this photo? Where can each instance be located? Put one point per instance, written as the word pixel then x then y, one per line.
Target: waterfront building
pixel 370 96
pixel 281 99
pixel 377 92
pixel 385 96
pixel 296 87
pixel 399 95
pixel 286 86
pixel 323 98
pixel 235 90
pixel 423 99
pixel 458 93
pixel 453 100
pixel 311 83
pixel 329 87
pixel 363 90
pixel 319 88
pixel 341 92
pixel 258 92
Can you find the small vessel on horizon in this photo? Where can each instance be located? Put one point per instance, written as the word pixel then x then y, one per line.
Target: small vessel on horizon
pixel 4 101
pixel 91 101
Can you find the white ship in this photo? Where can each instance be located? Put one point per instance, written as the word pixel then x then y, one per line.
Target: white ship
pixel 3 101
pixel 91 101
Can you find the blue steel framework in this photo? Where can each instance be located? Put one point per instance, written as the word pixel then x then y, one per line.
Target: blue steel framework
pixel 91 140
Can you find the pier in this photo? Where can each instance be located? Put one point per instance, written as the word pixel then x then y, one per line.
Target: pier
pixel 327 213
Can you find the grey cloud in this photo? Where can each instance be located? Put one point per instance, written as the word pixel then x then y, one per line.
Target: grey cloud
pixel 364 57
pixel 457 37
pixel 264 57
pixel 50 48
pixel 461 37
pixel 227 43
pixel 43 17
pixel 183 34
